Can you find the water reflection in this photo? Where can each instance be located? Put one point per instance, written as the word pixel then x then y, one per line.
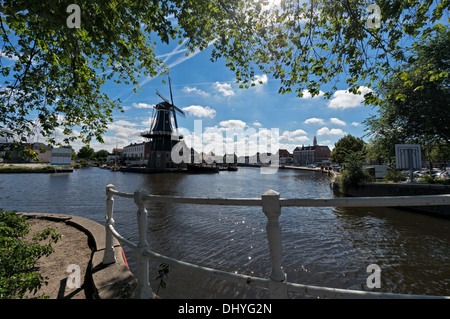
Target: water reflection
pixel 411 249
pixel 321 246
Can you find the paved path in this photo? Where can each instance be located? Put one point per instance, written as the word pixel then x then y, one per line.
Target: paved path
pixel 82 245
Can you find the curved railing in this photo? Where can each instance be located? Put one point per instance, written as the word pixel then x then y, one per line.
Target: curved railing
pixel 271 204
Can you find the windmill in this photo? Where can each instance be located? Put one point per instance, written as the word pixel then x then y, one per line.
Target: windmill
pixel 171 105
pixel 161 135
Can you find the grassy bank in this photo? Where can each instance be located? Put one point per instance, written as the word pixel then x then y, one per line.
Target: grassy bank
pixel 33 168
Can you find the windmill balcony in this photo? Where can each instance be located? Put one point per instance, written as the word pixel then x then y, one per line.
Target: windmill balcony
pixel 151 133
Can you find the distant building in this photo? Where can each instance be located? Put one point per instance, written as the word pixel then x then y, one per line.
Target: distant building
pixel 285 158
pixel 314 154
pixel 22 152
pixel 43 152
pixel 136 154
pixel 114 155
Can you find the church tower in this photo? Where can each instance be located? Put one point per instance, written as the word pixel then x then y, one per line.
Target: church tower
pixel 315 141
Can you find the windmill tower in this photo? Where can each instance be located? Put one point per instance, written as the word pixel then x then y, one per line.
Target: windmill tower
pixel 161 136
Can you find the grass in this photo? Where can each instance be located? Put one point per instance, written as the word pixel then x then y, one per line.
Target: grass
pixel 14 167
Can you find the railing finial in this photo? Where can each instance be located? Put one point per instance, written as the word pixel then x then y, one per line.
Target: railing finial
pixel 143 289
pixel 272 210
pixel 109 257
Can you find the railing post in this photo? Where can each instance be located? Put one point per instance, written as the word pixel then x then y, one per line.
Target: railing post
pixel 109 257
pixel 272 209
pixel 143 289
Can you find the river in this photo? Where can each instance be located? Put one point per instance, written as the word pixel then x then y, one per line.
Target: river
pixel 321 246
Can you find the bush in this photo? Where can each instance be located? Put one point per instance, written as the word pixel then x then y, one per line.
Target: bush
pixel 354 172
pixel 18 257
pixel 395 175
pixel 434 180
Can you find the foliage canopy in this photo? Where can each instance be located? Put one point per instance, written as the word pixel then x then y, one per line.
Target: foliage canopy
pixel 57 74
pixel 346 146
pixel 414 102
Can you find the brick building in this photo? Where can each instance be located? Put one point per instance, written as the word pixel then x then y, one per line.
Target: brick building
pixel 314 154
pixel 285 158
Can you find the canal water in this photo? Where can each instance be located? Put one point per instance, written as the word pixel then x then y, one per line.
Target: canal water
pixel 321 246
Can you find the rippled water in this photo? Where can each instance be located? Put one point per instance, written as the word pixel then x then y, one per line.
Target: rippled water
pixel 321 246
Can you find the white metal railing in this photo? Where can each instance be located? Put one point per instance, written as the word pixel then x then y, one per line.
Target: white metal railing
pixel 271 204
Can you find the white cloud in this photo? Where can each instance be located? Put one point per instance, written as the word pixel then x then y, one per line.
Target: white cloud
pixel 337 121
pixel 314 120
pixel 298 132
pixel 356 124
pixel 143 105
pixel 200 111
pixel 122 123
pixel 189 89
pixel 224 88
pixel 119 133
pixel 234 124
pixel 294 136
pixel 147 122
pixel 261 79
pixel 124 129
pixel 343 99
pixel 307 95
pixel 231 136
pixel 334 131
pixel 8 56
pixel 257 124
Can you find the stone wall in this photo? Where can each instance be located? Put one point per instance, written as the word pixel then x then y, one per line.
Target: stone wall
pixel 387 189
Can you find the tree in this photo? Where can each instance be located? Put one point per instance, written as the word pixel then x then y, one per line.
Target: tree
pixel 346 146
pixel 354 172
pixel 378 151
pixel 306 44
pixel 441 152
pixel 414 102
pixel 85 152
pixel 57 72
pixel 101 155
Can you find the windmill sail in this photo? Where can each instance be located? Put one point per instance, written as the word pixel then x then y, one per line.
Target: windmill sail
pixel 172 107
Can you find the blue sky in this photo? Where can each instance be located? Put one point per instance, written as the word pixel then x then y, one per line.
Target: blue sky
pixel 207 91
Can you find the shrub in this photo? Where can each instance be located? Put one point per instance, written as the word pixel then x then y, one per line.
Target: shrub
pixel 354 172
pixel 434 180
pixel 395 175
pixel 18 257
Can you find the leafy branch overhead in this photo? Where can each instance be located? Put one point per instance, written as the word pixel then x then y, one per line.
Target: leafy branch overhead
pixel 414 103
pixel 57 74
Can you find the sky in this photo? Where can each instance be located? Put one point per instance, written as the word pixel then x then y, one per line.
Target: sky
pixel 208 92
